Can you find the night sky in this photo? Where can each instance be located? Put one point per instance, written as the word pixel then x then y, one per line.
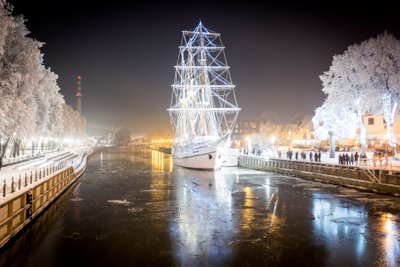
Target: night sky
pixel 125 52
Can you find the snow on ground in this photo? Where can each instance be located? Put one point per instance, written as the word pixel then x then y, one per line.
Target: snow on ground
pixel 393 164
pixel 62 158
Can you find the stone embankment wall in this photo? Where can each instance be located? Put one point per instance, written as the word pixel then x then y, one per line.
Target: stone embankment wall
pixel 382 180
pixel 19 208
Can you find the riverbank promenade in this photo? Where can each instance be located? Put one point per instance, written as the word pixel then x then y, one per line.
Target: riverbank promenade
pixel 23 171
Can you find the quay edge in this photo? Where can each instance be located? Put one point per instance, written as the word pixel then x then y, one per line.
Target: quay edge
pixel 19 209
pixel 382 181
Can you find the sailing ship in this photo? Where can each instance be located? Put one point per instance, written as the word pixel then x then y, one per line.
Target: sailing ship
pixel 203 108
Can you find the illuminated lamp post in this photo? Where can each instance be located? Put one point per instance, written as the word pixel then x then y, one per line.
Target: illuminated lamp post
pixel 248 141
pixel 331 144
pixel 273 139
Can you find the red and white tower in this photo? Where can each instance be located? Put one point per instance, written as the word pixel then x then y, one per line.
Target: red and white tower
pixel 78 94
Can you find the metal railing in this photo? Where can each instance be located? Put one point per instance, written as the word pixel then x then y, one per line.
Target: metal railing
pixel 376 175
pixel 14 184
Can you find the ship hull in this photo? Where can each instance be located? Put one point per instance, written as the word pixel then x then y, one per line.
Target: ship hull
pixel 204 155
pixel 200 162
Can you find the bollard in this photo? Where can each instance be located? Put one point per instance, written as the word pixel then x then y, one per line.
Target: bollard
pixel 26 180
pixel 19 182
pixel 12 185
pixel 31 177
pixel 35 176
pixel 4 188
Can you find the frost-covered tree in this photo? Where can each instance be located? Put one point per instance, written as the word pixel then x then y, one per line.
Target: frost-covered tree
pixel 19 59
pixel 343 84
pixel 74 123
pixel 331 120
pixel 50 106
pixel 31 105
pixel 365 79
pixel 7 24
pixel 381 63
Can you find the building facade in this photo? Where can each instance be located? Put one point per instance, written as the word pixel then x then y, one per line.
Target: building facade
pixel 242 130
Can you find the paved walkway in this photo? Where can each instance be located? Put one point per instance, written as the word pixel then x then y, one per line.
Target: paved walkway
pixel 37 168
pixel 392 164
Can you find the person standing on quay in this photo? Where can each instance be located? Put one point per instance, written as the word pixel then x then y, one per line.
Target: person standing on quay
pixel 356 158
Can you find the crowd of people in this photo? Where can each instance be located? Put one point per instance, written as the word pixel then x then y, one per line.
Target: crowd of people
pixel 316 156
pixel 343 158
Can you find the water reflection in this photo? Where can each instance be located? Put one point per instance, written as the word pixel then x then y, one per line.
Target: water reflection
pixel 203 227
pixel 161 168
pixel 335 222
pixel 345 226
pixel 234 217
pixel 390 243
pixel 248 211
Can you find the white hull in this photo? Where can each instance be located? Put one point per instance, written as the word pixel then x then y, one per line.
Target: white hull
pixel 205 155
pixel 202 161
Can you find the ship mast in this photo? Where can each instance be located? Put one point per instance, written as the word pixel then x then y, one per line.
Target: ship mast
pixel 203 101
pixel 202 62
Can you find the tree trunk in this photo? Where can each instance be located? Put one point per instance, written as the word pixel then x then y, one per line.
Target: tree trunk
pixel 331 145
pixel 14 149
pixel 363 134
pixel 4 147
pixel 389 110
pixel 18 147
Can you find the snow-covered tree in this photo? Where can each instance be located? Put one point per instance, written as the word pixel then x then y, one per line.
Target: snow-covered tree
pixel 331 120
pixel 381 61
pixel 31 105
pixel 20 59
pixel 344 87
pixel 50 106
pixel 74 123
pixel 365 79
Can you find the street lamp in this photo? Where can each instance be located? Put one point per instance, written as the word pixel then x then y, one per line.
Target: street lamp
pixel 248 141
pixel 273 139
pixel 290 139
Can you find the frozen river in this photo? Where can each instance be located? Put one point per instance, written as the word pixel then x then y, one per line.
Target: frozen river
pixel 133 208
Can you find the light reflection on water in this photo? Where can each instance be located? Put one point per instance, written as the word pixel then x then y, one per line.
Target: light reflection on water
pixel 343 226
pixel 182 217
pixel 336 223
pixel 391 241
pixel 248 211
pixel 218 210
pixel 160 164
pixel 203 225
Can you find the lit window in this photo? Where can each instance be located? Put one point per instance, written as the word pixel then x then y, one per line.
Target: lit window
pixel 370 121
